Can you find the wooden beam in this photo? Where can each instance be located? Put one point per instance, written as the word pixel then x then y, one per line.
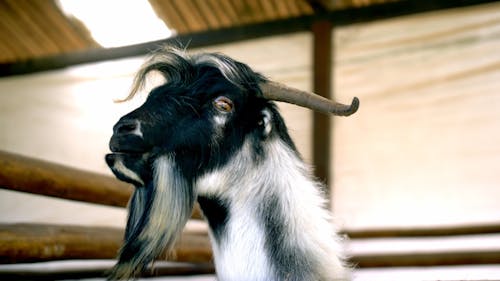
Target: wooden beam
pixel 427 259
pixel 21 173
pixel 41 177
pixel 453 230
pixel 64 270
pixel 238 33
pixel 322 60
pixel 22 243
pixel 26 174
pixel 191 40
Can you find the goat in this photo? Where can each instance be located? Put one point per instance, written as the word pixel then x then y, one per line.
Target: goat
pixel 212 133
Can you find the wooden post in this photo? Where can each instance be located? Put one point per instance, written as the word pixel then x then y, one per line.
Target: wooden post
pixel 322 58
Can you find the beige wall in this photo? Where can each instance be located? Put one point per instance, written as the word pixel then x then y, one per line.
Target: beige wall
pixel 64 117
pixel 424 147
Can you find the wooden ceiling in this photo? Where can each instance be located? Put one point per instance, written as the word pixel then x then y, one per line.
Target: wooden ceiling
pixel 37 28
pixel 35 35
pixel 31 29
pixel 195 16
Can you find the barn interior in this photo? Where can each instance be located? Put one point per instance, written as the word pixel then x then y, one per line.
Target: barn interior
pixel 413 177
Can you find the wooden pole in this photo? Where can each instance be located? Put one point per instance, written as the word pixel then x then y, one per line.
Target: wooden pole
pixel 90 269
pixel 440 258
pixel 452 230
pixel 322 58
pixel 22 243
pixel 26 174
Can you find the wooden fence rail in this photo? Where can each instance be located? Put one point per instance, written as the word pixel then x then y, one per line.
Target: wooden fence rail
pixel 48 271
pixel 21 243
pixel 431 258
pixel 450 230
pixel 35 176
pixel 41 177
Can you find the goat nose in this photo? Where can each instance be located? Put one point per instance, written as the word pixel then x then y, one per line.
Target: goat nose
pixel 126 126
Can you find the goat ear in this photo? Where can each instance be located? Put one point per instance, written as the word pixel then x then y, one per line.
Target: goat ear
pixel 265 123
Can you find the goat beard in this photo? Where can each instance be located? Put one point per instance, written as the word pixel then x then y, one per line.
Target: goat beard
pixel 157 214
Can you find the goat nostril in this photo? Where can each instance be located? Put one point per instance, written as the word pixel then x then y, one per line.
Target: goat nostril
pixel 126 127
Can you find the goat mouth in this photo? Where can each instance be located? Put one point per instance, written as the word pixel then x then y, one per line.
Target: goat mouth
pixel 125 153
pixel 128 167
pixel 127 150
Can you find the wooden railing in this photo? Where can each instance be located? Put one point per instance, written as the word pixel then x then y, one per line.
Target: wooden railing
pixel 21 243
pixel 27 243
pixel 26 174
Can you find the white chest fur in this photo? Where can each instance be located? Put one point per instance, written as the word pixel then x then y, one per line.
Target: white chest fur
pixel 241 255
pixel 245 249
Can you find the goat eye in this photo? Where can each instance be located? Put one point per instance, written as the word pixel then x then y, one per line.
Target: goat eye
pixel 223 104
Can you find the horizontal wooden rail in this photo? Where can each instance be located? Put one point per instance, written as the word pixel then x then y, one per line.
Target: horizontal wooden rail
pixel 451 230
pixel 35 243
pixel 21 243
pixel 41 177
pixel 93 269
pixel 440 258
pixel 36 176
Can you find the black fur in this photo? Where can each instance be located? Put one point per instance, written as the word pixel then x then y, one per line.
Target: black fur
pixel 288 260
pixel 176 117
pixel 216 210
pixel 135 224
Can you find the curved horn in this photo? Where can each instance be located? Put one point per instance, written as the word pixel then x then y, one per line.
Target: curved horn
pixel 279 92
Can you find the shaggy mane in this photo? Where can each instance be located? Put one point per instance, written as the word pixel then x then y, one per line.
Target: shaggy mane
pixel 178 67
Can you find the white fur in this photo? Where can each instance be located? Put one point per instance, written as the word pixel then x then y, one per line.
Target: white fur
pixel 164 218
pixel 230 72
pixel 168 209
pixel 242 256
pixel 236 258
pixel 172 205
pixel 137 131
pixel 219 122
pixel 266 120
